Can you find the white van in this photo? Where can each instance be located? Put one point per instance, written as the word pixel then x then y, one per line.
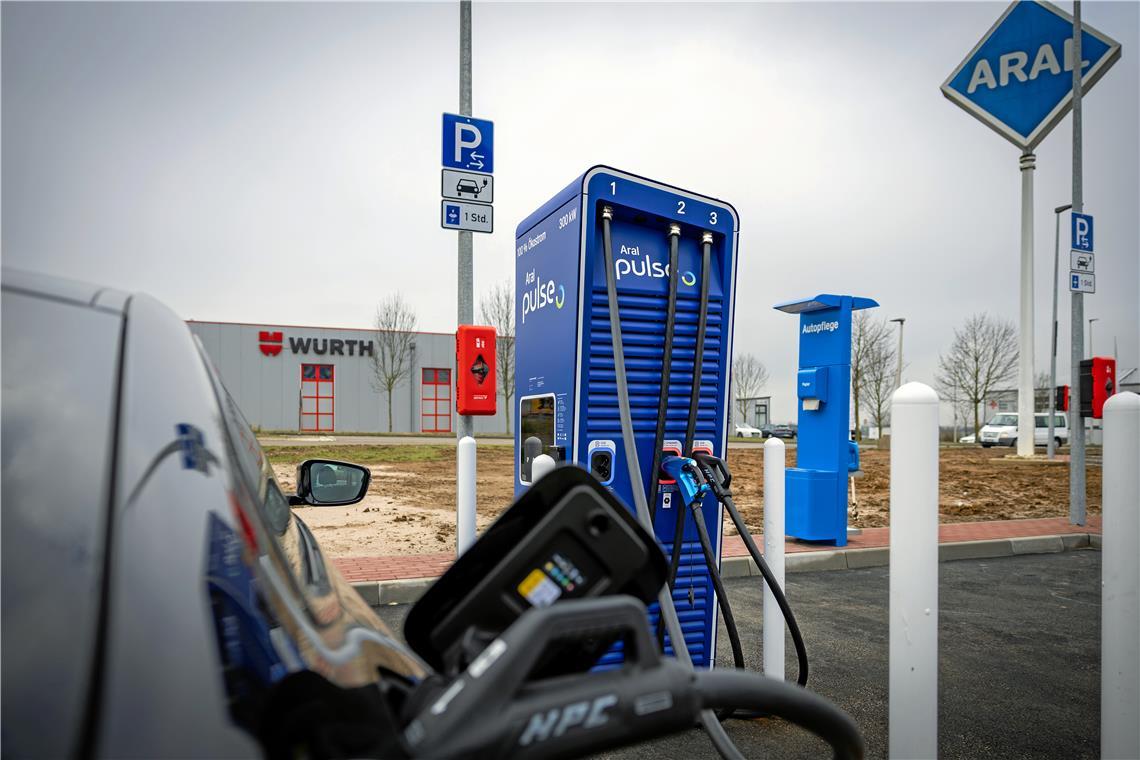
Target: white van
pixel 1002 430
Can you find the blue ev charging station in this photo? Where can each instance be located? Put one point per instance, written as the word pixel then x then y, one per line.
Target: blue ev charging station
pixel 565 377
pixel 816 488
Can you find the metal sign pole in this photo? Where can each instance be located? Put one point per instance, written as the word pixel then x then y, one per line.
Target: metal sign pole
pixel 466 243
pixel 1050 443
pixel 1025 421
pixel 1076 324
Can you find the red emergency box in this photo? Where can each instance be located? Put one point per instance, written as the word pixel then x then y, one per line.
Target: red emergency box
pixel 1098 383
pixel 475 382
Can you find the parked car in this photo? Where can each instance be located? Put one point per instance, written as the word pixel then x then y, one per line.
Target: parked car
pixel 747 431
pixel 967 439
pixel 160 596
pixel 783 431
pixel 1002 430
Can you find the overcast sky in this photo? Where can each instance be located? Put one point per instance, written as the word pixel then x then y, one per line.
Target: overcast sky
pixel 280 163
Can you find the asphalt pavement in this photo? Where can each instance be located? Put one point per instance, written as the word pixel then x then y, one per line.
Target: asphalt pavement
pixel 1019 672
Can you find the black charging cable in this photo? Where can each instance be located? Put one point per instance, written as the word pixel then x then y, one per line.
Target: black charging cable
pixel 704 539
pixel 717 475
pixel 666 367
pixel 709 721
pixel 719 479
pixel 771 696
pixel 694 397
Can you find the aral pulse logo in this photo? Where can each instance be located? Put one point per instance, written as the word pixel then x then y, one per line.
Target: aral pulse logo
pixel 636 265
pixel 818 327
pixel 540 293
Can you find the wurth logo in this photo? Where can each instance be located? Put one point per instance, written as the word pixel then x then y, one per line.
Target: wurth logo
pixel 270 342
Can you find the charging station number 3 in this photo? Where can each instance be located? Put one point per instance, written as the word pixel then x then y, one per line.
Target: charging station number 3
pixel 680 205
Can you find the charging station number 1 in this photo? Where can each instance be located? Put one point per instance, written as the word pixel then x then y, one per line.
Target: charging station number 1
pixel 680 205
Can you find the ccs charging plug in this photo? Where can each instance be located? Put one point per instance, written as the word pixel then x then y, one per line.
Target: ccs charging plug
pixel 566 537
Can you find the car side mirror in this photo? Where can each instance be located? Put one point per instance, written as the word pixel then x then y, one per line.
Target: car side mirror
pixel 328 483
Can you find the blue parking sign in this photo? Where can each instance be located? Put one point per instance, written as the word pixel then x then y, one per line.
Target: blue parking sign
pixel 1082 228
pixel 468 143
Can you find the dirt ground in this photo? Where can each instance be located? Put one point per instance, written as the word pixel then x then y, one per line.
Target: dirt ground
pixel 410 507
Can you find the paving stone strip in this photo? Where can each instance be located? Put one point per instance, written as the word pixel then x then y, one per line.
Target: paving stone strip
pixel 385 580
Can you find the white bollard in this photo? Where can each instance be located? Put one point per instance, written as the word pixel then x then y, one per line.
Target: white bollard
pixel 774 463
pixel 913 615
pixel 542 464
pixel 464 494
pixel 1120 579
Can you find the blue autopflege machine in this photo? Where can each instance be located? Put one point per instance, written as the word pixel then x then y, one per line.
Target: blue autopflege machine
pixel 565 383
pixel 816 488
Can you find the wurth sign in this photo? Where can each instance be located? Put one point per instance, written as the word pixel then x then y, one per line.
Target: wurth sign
pixel 272 342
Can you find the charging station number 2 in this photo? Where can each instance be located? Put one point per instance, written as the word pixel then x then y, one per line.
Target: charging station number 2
pixel 680 205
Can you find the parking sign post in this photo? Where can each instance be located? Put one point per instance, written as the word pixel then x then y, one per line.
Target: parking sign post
pixel 1077 311
pixel 466 427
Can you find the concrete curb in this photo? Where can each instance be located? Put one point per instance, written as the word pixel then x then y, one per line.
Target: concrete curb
pixel 411 589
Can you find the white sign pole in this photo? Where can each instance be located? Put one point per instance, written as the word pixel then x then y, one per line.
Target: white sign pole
pixel 774 463
pixel 465 430
pixel 913 615
pixel 1025 399
pixel 1120 580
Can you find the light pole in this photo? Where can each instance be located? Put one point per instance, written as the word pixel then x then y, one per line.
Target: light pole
pixel 1051 446
pixel 898 374
pixel 1091 320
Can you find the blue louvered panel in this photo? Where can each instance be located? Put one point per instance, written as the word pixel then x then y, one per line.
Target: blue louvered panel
pixel 643 339
pixel 694 617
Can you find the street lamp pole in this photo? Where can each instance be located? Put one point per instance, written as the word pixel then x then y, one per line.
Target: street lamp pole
pixel 898 374
pixel 1051 446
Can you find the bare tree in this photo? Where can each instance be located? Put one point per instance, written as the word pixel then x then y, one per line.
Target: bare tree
pixel 982 357
pixel 749 375
pixel 868 338
pixel 879 375
pixel 497 309
pixel 395 343
pixel 959 406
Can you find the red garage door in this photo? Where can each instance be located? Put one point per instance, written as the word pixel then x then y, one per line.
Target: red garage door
pixel 435 400
pixel 317 398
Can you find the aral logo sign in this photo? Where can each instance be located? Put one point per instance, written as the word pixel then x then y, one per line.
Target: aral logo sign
pixel 541 293
pixel 1018 80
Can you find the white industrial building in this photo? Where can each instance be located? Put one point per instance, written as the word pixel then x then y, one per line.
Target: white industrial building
pixel 321 379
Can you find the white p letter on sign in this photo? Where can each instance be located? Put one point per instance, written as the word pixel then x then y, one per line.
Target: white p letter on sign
pixel 461 143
